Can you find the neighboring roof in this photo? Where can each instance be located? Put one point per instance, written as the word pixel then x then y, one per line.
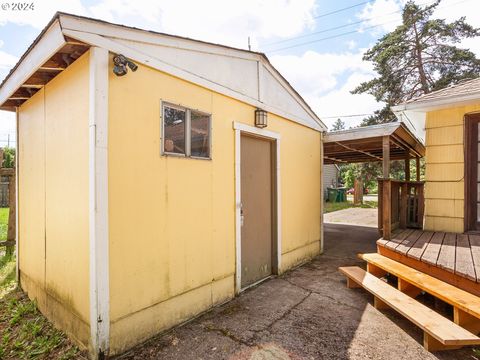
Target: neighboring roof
pixel 245 75
pixel 464 92
pixel 365 144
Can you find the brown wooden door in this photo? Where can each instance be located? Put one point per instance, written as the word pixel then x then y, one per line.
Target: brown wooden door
pixel 257 209
pixel 472 173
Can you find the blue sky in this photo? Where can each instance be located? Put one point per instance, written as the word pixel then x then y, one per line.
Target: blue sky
pixel 324 71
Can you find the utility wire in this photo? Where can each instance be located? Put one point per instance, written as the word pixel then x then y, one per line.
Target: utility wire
pixel 330 37
pixel 344 26
pixel 340 10
pixel 336 27
pixel 344 116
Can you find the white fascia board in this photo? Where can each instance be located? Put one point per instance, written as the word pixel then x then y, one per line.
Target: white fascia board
pixel 438 104
pixel 52 41
pixel 148 37
pixel 157 64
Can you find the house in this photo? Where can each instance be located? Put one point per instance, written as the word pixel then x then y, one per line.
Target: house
pixel 331 174
pixel 158 176
pixel 449 121
pixel 429 229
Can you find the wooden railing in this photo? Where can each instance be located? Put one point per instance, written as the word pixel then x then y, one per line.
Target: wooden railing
pixel 400 205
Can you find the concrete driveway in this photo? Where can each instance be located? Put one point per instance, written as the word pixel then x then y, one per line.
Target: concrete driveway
pixel 307 313
pixel 353 216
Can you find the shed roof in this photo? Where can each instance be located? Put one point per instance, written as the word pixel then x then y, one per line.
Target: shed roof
pixel 241 74
pixel 365 144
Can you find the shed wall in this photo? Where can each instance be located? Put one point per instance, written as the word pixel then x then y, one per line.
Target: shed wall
pixel 444 173
pixel 53 199
pixel 172 220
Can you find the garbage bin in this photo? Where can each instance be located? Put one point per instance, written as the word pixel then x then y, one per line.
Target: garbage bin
pixel 332 194
pixel 341 194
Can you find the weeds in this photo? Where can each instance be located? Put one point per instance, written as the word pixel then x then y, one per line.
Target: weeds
pixel 27 334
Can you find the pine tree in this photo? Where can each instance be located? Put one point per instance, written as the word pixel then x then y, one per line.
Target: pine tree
pixel 418 57
pixel 338 125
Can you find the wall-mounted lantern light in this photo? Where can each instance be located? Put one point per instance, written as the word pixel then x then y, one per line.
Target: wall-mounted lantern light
pixel 260 118
pixel 120 64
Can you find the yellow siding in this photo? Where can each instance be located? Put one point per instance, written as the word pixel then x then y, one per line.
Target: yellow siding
pixel 31 209
pixel 172 220
pixel 53 206
pixel 444 189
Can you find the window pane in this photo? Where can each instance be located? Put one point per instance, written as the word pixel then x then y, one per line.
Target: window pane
pixel 174 128
pixel 200 141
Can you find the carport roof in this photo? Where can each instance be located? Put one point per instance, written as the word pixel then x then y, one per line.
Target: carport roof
pixel 366 144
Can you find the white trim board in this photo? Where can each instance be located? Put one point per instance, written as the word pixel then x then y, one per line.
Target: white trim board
pixel 98 203
pixel 17 205
pixel 239 129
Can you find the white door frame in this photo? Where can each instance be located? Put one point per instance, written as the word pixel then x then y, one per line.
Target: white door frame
pixel 270 135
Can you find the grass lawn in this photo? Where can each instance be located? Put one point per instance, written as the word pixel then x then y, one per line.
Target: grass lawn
pixel 3 223
pixel 24 332
pixel 330 207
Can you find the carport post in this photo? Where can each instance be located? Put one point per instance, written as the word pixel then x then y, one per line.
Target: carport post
pixel 387 190
pixel 386 157
pixel 417 163
pixel 407 168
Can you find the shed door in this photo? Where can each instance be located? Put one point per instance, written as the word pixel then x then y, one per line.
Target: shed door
pixel 257 209
pixel 472 172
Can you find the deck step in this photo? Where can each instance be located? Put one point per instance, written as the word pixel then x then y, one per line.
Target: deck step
pixel 466 306
pixel 439 332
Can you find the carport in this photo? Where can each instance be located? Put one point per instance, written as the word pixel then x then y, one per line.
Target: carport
pixel 400 203
pixel 384 142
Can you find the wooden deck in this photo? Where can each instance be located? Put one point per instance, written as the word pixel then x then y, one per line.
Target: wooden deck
pixel 453 258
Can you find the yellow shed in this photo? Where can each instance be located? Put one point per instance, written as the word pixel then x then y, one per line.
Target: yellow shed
pixel 158 176
pixel 448 122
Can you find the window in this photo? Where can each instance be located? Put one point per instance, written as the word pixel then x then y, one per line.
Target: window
pixel 174 127
pixel 186 132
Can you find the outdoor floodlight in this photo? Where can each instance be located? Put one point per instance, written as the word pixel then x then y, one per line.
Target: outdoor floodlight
pixel 120 63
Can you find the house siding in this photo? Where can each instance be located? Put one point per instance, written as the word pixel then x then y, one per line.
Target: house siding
pixel 53 200
pixel 444 173
pixel 330 176
pixel 172 219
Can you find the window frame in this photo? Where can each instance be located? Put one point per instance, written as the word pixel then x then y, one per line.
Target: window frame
pixel 471 142
pixel 188 131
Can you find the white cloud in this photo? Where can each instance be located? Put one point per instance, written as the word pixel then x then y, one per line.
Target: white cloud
pixel 42 12
pixel 351 44
pixel 7 61
pixel 383 15
pixel 314 73
pixel 7 126
pixel 227 22
pixel 316 76
pixel 342 102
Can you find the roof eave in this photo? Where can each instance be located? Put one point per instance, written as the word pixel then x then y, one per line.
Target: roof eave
pixel 424 106
pixel 49 41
